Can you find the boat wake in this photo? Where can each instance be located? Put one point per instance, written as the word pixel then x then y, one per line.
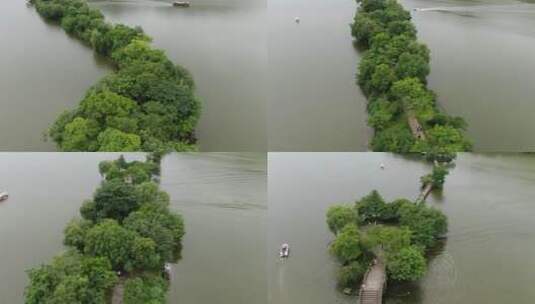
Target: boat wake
pixel 508 9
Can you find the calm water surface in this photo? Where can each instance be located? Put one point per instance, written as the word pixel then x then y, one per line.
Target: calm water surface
pixel 487 257
pixel 314 103
pixel 42 73
pixel 223 44
pixel 482 67
pixel 221 196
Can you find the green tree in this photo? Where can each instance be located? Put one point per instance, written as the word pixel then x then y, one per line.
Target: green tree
pixel 75 233
pixel 387 239
pixel 114 199
pixel 382 79
pixel 426 223
pixel 350 275
pixel 415 97
pixel 437 177
pixel 71 278
pixel 382 113
pixel 346 247
pixel 166 229
pixel 396 138
pixel 408 264
pixel 145 290
pixel 115 140
pixel 371 207
pixel 108 239
pixel 339 216
pixel 78 134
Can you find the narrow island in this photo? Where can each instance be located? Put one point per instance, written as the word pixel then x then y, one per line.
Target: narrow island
pixel 377 242
pixel 392 74
pixel 146 104
pixel 120 250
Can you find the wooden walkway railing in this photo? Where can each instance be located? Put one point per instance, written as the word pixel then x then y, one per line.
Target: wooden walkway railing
pixel 373 284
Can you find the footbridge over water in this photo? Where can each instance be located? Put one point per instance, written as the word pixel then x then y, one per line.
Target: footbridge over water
pixel 373 284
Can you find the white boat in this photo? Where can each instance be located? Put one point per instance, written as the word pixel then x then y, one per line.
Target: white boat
pixel 285 251
pixel 3 196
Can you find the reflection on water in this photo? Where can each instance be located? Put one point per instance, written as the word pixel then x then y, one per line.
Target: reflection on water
pixel 488 199
pixel 221 196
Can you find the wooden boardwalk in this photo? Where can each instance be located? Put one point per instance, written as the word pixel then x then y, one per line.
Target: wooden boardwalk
pixel 415 126
pixel 373 284
pixel 425 192
pixel 118 292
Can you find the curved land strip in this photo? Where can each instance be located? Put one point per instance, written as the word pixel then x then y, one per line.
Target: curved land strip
pixel 392 74
pixel 118 250
pixel 146 104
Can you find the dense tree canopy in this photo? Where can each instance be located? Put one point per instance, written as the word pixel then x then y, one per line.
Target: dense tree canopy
pixel 347 247
pixel 71 278
pixel 126 227
pixel 339 216
pixel 407 264
pixel 397 233
pixel 392 73
pixel 147 104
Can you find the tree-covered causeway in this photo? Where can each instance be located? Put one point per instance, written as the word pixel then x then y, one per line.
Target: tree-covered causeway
pixel 119 247
pixel 146 104
pixel 392 74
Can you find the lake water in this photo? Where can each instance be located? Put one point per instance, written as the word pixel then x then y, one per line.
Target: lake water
pixel 221 196
pixel 482 67
pixel 487 257
pixel 223 44
pixel 269 83
pixel 314 103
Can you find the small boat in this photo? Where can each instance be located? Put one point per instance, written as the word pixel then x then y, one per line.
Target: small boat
pixel 181 4
pixel 285 251
pixel 297 20
pixel 382 166
pixel 3 196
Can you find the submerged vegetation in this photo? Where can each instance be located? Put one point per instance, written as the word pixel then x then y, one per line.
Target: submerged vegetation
pixel 392 74
pixel 146 104
pixel 126 234
pixel 398 233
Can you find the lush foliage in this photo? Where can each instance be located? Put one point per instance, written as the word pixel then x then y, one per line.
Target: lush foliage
pixel 340 216
pixel 407 264
pixel 437 177
pixel 146 289
pixel 392 73
pixel 147 104
pixel 397 233
pixel 126 227
pixel 71 278
pixel 347 247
